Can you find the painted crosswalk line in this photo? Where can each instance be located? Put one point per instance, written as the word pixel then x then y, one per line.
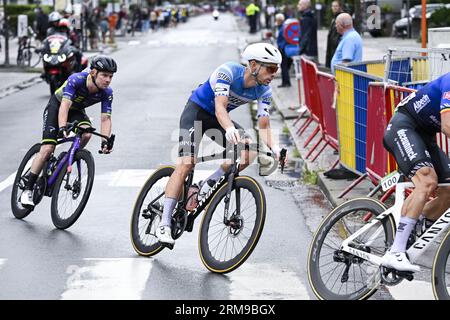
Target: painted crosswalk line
pixel 2 262
pixel 414 290
pixel 121 278
pixel 138 177
pixel 266 281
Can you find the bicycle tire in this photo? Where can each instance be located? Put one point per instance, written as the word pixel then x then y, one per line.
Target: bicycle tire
pixel 64 223
pixel 138 244
pixel 316 278
pixel 32 61
pixel 21 212
pixel 440 284
pixel 214 264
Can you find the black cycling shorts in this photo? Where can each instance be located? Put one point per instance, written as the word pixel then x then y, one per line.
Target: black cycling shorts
pixel 50 128
pixel 413 148
pixel 194 123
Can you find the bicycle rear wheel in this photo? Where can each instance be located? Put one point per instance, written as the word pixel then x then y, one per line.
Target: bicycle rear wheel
pixel 224 247
pixel 441 270
pixel 71 191
pixel 337 275
pixel 20 180
pixel 147 213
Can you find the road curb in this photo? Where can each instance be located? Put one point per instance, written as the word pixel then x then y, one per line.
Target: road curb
pixel 20 86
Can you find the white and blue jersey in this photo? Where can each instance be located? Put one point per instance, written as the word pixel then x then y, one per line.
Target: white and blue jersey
pixel 228 80
pixel 427 104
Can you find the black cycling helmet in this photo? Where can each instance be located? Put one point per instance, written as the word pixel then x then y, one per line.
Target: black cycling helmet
pixel 104 63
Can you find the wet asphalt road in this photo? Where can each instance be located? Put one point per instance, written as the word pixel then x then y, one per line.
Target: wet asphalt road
pixel 95 258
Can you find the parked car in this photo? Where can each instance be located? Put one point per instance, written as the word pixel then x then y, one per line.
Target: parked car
pixel 400 27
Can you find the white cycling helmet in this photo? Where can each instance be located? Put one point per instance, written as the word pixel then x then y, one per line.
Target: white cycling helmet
pixel 262 52
pixel 54 16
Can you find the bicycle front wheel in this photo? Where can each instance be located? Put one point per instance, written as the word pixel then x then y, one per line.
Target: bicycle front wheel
pixel 71 191
pixel 337 275
pixel 441 270
pixel 30 57
pixel 224 246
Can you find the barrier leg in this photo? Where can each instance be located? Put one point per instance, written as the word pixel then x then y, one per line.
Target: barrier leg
pixel 335 164
pixel 315 146
pixel 316 131
pixel 320 151
pixel 387 194
pixel 300 116
pixel 304 126
pixel 354 184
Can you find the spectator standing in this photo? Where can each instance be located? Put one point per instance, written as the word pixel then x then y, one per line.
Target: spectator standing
pixel 308 29
pixel 41 24
pixel 104 26
pixel 145 20
pixel 112 27
pixel 286 61
pixel 153 20
pixel 252 13
pixel 350 47
pixel 333 36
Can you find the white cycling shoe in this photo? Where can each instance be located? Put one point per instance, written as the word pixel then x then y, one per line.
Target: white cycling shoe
pixel 164 235
pixel 398 261
pixel 26 198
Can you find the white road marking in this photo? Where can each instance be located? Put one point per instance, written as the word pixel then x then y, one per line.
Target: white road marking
pixel 2 262
pixel 414 290
pixel 101 279
pixel 134 42
pixel 137 177
pixel 7 182
pixel 266 281
pixel 10 180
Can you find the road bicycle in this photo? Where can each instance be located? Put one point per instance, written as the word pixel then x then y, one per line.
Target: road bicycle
pixel 27 54
pixel 235 211
pixel 344 260
pixel 67 179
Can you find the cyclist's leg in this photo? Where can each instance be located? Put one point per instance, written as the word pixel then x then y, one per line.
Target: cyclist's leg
pixel 190 136
pixel 49 136
pixel 84 122
pixel 410 151
pixel 436 207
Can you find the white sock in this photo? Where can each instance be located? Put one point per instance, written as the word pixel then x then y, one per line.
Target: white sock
pixel 404 229
pixel 169 205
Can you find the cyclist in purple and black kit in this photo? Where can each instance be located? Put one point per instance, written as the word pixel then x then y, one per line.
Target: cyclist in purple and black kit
pixel 81 90
pixel 411 138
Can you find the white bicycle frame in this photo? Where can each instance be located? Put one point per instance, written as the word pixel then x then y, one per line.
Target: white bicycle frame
pixel 421 244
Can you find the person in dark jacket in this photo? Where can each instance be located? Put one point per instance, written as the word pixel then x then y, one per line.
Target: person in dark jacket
pixel 41 24
pixel 308 27
pixel 333 36
pixel 286 62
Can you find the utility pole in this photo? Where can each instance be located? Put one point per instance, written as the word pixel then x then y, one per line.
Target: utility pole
pixel 5 26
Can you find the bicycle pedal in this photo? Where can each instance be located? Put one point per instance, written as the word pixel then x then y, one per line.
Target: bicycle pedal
pixel 406 275
pixel 166 245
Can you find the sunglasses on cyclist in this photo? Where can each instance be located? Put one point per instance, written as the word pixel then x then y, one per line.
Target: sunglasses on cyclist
pixel 270 67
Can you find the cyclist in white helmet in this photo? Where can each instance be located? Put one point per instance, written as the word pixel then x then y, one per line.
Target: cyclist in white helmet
pixel 206 112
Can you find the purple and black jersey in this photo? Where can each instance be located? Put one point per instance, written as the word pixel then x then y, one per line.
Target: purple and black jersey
pixel 75 89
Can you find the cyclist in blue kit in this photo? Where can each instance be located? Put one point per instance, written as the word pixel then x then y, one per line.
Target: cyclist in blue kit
pixel 411 138
pixel 80 91
pixel 207 112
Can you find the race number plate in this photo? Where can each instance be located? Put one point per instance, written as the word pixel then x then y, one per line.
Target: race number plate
pixel 390 180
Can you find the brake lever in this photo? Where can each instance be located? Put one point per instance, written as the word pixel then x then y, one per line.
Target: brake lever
pixel 109 143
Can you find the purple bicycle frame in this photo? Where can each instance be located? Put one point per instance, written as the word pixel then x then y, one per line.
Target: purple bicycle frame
pixel 68 157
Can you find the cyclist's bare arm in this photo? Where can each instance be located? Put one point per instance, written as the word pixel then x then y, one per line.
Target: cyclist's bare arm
pixel 445 122
pixel 106 125
pixel 265 132
pixel 63 112
pixel 221 103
